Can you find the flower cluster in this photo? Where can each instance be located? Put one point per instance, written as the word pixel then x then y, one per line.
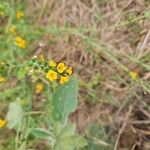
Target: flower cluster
pixel 52 70
pixel 19 41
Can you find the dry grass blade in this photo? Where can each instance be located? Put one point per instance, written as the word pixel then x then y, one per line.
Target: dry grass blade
pixel 121 130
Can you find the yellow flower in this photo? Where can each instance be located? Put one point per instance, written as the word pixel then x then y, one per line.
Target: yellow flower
pixel 63 80
pixel 61 67
pixel 133 75
pixel 20 42
pixel 51 75
pixel 19 14
pixel 38 88
pixel 2 79
pixel 12 29
pixel 2 123
pixel 69 70
pixel 52 63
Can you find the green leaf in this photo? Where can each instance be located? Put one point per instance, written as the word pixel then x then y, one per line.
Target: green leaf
pixel 66 139
pixel 21 73
pixel 70 143
pixel 40 133
pixel 23 146
pixel 66 132
pixel 64 100
pixel 14 115
pixel 57 129
pixel 147 14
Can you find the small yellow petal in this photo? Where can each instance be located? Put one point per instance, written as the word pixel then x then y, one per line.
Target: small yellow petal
pixel 2 123
pixel 19 14
pixel 63 80
pixel 20 42
pixel 133 74
pixel 52 63
pixel 61 67
pixel 69 71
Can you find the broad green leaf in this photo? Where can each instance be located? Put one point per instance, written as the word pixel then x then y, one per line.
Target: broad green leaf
pixel 79 141
pixel 66 139
pixel 64 100
pixel 14 115
pixel 67 131
pixel 40 133
pixel 70 143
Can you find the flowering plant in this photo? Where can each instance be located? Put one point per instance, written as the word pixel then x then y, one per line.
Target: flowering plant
pixel 28 82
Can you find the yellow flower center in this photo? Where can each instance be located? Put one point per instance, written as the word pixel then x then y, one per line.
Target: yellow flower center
pixel 51 75
pixel 61 67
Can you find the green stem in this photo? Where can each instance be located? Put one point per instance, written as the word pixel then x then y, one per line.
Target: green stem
pixel 33 113
pixel 17 137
